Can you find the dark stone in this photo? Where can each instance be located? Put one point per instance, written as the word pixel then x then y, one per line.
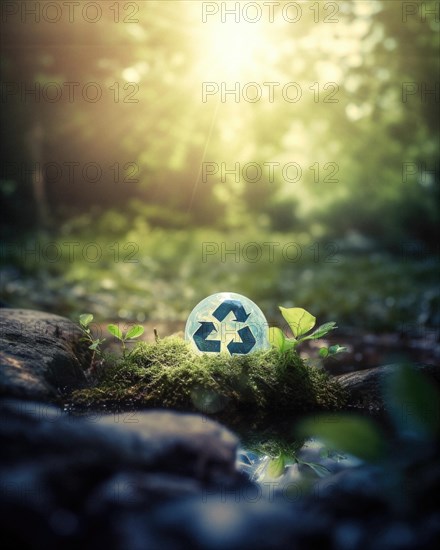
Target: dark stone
pixel 365 387
pixel 226 521
pixel 186 445
pixel 96 479
pixel 148 480
pixel 41 356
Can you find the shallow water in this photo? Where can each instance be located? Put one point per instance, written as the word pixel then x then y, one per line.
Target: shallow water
pixel 309 470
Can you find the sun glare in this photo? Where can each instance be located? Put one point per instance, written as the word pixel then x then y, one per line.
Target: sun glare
pixel 233 49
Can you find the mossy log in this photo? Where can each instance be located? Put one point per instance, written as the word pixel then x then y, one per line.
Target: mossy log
pixel 168 374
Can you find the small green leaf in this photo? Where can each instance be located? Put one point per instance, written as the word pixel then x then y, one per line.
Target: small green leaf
pixel 323 352
pixel 320 331
pixel 85 319
pixel 276 337
pixel 276 466
pixel 333 350
pixel 319 469
pixel 115 331
pixel 346 433
pixel 94 346
pixel 300 321
pixel 134 332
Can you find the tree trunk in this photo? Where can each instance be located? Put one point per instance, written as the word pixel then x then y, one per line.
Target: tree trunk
pixel 35 141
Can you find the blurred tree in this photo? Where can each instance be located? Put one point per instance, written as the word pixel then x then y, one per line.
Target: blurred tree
pixel 150 133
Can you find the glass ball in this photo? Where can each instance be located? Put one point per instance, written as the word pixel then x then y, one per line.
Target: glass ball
pixel 229 323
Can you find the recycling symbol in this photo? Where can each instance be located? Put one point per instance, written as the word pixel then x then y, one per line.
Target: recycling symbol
pixel 207 327
pixel 226 322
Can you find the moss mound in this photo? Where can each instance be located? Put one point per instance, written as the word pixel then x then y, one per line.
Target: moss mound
pixel 168 374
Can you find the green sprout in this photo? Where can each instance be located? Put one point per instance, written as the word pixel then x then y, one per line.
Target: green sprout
pixel 94 343
pixel 132 333
pixel 302 322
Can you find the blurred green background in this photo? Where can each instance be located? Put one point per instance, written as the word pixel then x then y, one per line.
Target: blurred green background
pixel 119 206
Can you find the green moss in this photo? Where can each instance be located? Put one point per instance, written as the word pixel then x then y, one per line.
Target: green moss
pixel 168 374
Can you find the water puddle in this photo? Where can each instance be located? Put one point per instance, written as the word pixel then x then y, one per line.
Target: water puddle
pixel 307 471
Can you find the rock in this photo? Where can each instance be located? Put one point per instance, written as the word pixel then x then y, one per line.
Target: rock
pixel 122 482
pixel 231 521
pixel 94 481
pixel 183 444
pixel 40 355
pixel 365 387
pixel 205 443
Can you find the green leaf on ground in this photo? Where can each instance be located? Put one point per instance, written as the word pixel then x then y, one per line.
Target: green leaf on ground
pixel 85 319
pixel 276 466
pixel 346 433
pixel 277 338
pixel 299 320
pixel 134 332
pixel 319 469
pixel 333 350
pixel 320 331
pixel 115 331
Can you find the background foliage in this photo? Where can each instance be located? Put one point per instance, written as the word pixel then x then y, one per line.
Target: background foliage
pixel 378 219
